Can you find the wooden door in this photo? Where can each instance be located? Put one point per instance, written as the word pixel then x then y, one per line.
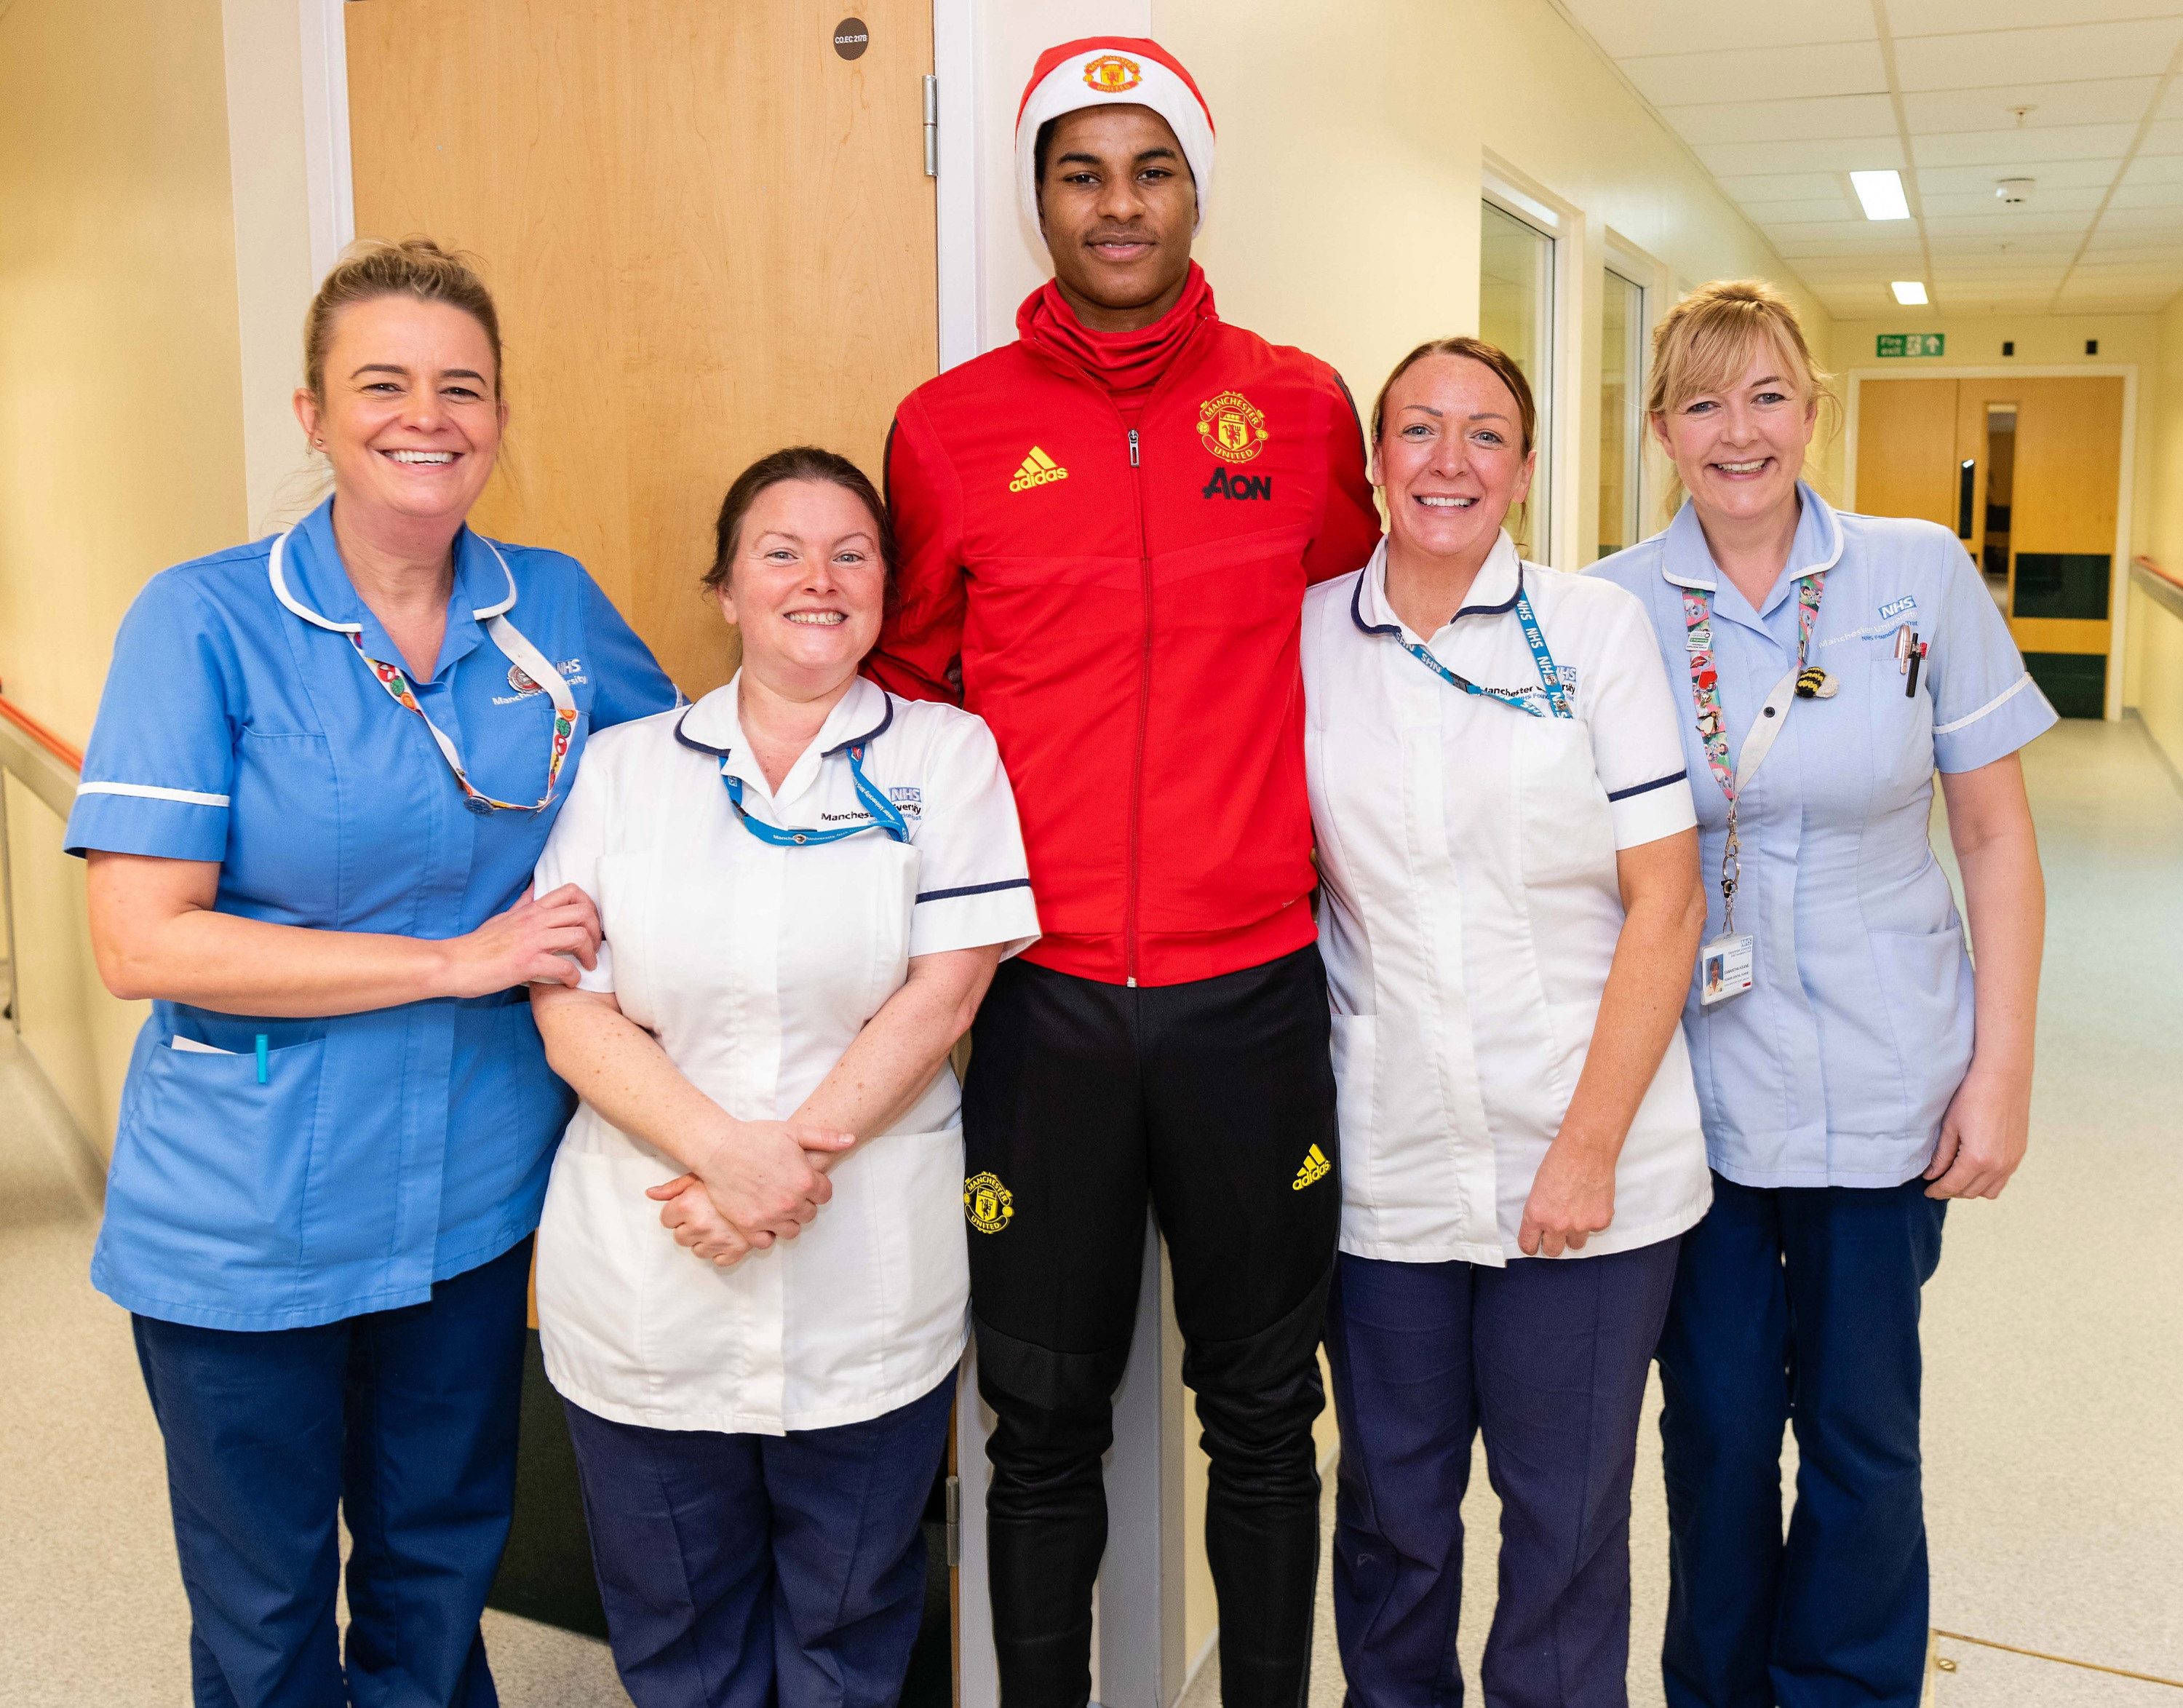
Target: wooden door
pixel 1906 449
pixel 709 234
pixel 1924 449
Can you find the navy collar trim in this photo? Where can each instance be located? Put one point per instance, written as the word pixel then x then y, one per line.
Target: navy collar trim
pixel 1357 605
pixel 869 736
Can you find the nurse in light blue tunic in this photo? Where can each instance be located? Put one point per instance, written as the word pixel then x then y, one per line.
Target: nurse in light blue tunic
pixel 323 771
pixel 1853 1071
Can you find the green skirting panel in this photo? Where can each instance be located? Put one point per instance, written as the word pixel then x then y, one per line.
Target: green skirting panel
pixel 546 1574
pixel 2076 682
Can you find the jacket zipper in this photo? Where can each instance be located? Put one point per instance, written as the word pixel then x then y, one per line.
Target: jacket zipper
pixel 1144 722
pixel 1133 881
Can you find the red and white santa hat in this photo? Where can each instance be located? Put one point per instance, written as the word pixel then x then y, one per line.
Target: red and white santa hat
pixel 1105 71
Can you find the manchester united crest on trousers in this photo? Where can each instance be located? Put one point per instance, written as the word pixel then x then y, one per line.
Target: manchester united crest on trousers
pixel 1230 428
pixel 989 1205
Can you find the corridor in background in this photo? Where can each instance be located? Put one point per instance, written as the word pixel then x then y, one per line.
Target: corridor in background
pixel 2027 473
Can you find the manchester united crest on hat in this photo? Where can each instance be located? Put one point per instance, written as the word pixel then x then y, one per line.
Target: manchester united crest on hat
pixel 1230 428
pixel 1110 73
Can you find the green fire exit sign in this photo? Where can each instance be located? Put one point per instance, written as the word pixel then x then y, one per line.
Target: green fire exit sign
pixel 1912 343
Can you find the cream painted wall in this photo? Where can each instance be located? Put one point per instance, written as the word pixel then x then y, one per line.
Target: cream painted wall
pixel 120 415
pixel 2153 673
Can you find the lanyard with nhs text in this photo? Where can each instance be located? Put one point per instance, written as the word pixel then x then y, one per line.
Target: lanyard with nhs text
pixel 1725 963
pixel 1550 678
pixel 885 815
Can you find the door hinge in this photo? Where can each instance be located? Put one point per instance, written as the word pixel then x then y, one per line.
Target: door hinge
pixel 932 127
pixel 954 1505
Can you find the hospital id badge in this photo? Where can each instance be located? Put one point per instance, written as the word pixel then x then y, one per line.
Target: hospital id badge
pixel 1724 968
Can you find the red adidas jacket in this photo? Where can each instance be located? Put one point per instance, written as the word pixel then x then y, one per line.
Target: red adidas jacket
pixel 1116 587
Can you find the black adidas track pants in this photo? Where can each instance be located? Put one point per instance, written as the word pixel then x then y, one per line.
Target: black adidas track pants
pixel 1216 1100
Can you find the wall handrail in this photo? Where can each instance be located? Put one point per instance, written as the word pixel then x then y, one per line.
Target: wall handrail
pixel 2162 587
pixel 2151 567
pixel 46 764
pixel 69 756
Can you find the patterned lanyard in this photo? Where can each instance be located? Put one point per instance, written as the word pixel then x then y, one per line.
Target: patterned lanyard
pixel 1713 728
pixel 397 684
pixel 514 645
pixel 885 816
pixel 1550 678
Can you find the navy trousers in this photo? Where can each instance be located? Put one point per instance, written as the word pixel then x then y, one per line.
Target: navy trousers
pixel 1548 1357
pixel 404 1423
pixel 1797 1305
pixel 752 1570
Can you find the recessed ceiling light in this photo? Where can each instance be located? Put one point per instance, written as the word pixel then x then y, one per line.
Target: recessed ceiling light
pixel 1909 293
pixel 1881 193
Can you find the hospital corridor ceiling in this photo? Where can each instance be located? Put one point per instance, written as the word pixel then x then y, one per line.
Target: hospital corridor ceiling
pixel 2077 101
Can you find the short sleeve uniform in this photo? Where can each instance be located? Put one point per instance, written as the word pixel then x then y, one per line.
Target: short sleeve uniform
pixel 755 963
pixel 376 1153
pixel 1836 1067
pixel 1473 902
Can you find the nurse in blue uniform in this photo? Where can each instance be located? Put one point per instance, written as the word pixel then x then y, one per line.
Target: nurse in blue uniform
pixel 1853 1073
pixel 323 771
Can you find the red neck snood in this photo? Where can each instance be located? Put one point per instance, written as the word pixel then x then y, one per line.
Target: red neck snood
pixel 1127 364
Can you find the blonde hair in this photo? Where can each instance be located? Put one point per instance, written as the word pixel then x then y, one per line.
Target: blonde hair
pixel 1706 341
pixel 417 267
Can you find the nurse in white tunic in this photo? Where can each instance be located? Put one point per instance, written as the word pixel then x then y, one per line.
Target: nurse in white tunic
pixel 1512 910
pixel 752 1278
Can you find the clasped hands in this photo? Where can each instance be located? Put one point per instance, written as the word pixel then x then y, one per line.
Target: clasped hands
pixel 755 1182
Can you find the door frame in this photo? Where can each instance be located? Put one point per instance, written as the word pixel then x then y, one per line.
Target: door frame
pixel 2118 572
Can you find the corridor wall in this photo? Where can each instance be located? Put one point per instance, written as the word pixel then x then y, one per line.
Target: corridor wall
pixel 2153 677
pixel 120 417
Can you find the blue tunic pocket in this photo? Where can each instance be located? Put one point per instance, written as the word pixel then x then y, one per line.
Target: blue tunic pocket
pixel 204 1205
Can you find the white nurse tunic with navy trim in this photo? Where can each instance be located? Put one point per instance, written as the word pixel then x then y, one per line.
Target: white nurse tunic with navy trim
pixel 1472 903
pixel 756 965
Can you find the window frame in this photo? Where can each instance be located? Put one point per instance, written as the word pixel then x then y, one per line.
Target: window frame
pixel 1558 524
pixel 1637 374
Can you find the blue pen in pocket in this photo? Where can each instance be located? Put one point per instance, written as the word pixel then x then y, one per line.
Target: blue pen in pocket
pixel 261 1059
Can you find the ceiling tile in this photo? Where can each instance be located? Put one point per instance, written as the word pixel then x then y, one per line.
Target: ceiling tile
pixel 1681 80
pixel 1739 159
pixel 1952 17
pixel 2050 198
pixel 1750 188
pixel 2025 147
pixel 2135 248
pixel 2162 218
pixel 2062 53
pixel 1628 27
pixel 1839 206
pixel 1785 121
pixel 2164 136
pixel 2150 192
pixel 2052 175
pixel 2155 168
pixel 1888 237
pixel 2103 101
pixel 2010 224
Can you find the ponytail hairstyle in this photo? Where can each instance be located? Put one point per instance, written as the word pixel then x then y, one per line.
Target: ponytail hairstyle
pixel 415 267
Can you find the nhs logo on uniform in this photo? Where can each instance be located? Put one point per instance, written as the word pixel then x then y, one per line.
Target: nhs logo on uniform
pixel 909 800
pixel 1898 607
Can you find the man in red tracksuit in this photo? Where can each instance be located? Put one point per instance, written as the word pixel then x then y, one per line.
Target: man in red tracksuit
pixel 1106 531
